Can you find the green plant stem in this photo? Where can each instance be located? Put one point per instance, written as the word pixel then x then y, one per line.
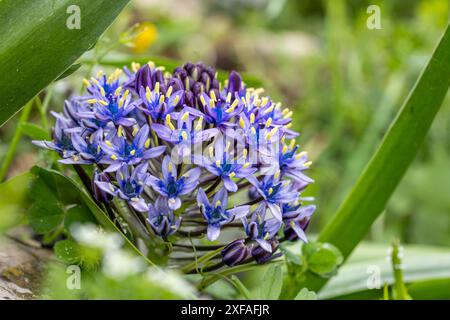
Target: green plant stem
pixel 400 292
pixel 401 143
pixel 9 157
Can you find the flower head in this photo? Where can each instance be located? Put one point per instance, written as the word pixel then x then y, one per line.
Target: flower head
pixel 171 186
pixel 161 218
pixel 179 157
pixel 216 213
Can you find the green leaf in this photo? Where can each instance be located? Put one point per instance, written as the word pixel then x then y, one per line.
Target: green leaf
pixel 369 265
pixel 78 214
pixel 80 196
pixel 305 294
pixel 323 259
pixel 241 287
pixel 273 281
pixel 34 131
pixel 397 150
pixel 69 71
pixel 45 217
pixel 67 251
pixel 36 46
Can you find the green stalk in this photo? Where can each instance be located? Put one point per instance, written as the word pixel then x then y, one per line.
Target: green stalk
pixel 9 157
pixel 400 292
pixel 401 143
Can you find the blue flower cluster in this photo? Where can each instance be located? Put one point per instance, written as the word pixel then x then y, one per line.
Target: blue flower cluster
pixel 182 147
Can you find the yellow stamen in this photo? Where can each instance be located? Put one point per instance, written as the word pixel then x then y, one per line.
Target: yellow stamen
pixel 75 158
pixel 118 91
pixel 268 122
pixel 307 164
pixel 218 203
pixel 119 131
pixel 277 174
pixel 212 94
pixel 252 118
pixel 175 101
pixel 288 115
pixel 244 153
pixel 285 149
pixel 285 111
pixel 86 82
pixel 104 103
pixel 246 165
pixel 202 100
pixel 232 174
pixel 170 166
pixel 253 130
pixel 133 152
pixel 148 93
pixel 270 191
pixel 147 143
pixel 185 116
pixel 242 123
pixel 114 157
pixel 135 130
pixel 228 100
pixel 161 98
pixel 169 92
pixel 156 89
pixel 211 103
pixel 292 144
pixel 92 101
pixel 108 143
pixel 211 151
pixel 198 127
pixel 217 163
pixel 102 91
pixel 184 135
pixel 264 101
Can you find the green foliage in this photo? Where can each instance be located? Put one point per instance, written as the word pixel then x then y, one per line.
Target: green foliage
pixel 13 195
pixel 270 288
pixel 369 262
pixel 401 143
pixel 305 294
pixel 35 53
pixel 322 259
pixel 34 131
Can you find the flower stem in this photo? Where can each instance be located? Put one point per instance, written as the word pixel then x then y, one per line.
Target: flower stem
pixel 9 157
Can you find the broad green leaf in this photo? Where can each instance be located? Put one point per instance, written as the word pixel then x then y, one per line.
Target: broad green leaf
pixel 369 267
pixel 273 280
pixel 45 217
pixel 34 131
pixel 397 150
pixel 36 46
pixel 66 184
pixel 241 287
pixel 67 251
pixel 324 260
pixel 305 294
pixel 78 214
pixel 69 71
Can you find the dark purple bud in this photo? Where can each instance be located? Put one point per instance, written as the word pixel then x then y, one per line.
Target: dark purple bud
pixel 144 78
pixel 234 82
pixel 262 256
pixel 235 253
pixel 99 194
